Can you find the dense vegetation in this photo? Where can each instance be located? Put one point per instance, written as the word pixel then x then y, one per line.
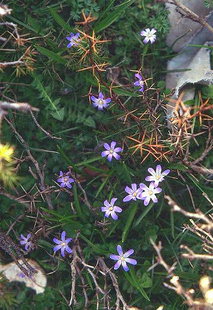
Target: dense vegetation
pixel 54 176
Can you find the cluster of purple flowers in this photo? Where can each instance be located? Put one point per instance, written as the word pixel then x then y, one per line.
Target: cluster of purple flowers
pixel 144 192
pixel 141 192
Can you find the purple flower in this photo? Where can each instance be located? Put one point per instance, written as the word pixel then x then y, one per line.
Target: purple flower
pixel 140 82
pixel 110 209
pixel 157 176
pixel 148 193
pixel 111 151
pixel 25 241
pixel 123 258
pixel 100 102
pixel 62 244
pixel 73 38
pixel 65 180
pixel 149 35
pixel 134 192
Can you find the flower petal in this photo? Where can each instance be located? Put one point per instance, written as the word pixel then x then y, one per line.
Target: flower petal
pixel 114 216
pixel 117 265
pixel 124 265
pixel 57 247
pixel 114 257
pixel 107 146
pixel 128 253
pixel 131 261
pixel 119 249
pixel 63 235
pixel 56 241
pixel 113 144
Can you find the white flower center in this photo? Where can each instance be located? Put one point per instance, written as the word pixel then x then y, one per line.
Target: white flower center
pixel 66 179
pixel 122 259
pixel 63 244
pixel 100 101
pixel 135 194
pixel 110 208
pixel 141 83
pixel 111 151
pixel 150 193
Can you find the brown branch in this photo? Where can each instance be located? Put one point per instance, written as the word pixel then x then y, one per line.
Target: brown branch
pixel 19 106
pixel 198 215
pixel 192 255
pixel 42 129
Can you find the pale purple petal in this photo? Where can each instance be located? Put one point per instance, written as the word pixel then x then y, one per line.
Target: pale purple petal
pixel 22 242
pixel 131 261
pixel 119 249
pixel 56 241
pixel 57 247
pixel 158 169
pixel 114 257
pixel 151 171
pixel 143 186
pixel 117 265
pixel 101 96
pixel 146 201
pixel 137 83
pixel 137 75
pixel 63 235
pixel 149 178
pixel 68 240
pixel 68 185
pixel 118 149
pixel 145 40
pixel 114 216
pixel 105 153
pixel 143 33
pixel 158 190
pixel 62 251
pixel 107 146
pixel 107 214
pixel 108 100
pixel 113 200
pixel 68 249
pixel 134 186
pixel 93 99
pixel 113 144
pixel 117 209
pixel 154 199
pixel 128 253
pixel 107 204
pixel 165 172
pixel 124 265
pixel 128 198
pixel 128 190
pixel 110 157
pixel 116 156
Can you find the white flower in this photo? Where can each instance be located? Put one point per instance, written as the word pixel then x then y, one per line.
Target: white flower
pixel 157 176
pixel 149 35
pixel 149 193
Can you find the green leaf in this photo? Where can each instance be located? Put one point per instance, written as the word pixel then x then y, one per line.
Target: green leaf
pixel 110 18
pixel 60 21
pixel 146 281
pixel 144 213
pixel 59 114
pixel 131 277
pixel 130 218
pixel 53 56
